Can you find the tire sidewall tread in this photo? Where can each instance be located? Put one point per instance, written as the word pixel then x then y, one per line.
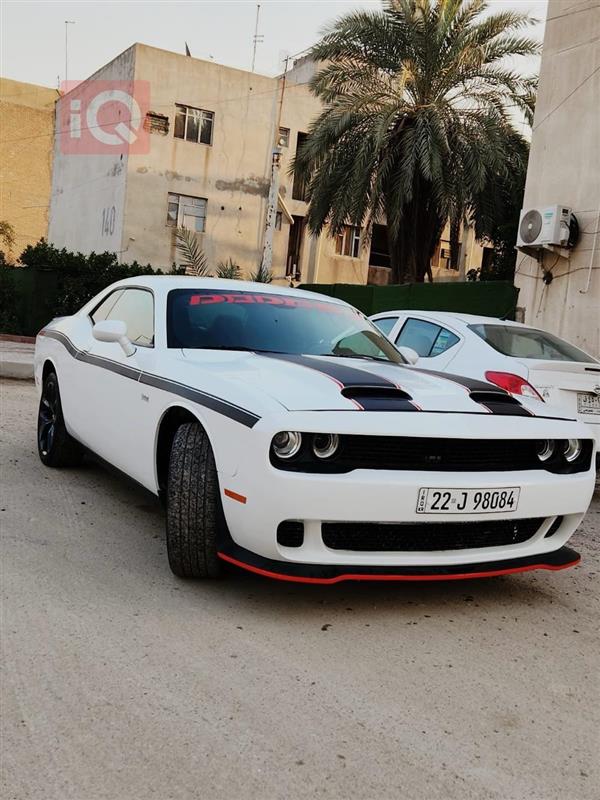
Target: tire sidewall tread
pixel 193 505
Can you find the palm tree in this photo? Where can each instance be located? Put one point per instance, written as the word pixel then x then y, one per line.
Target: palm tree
pixel 418 103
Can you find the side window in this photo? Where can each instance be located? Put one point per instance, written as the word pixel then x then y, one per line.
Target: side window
pixel 102 311
pixel 385 324
pixel 134 307
pixel 445 340
pixel 428 339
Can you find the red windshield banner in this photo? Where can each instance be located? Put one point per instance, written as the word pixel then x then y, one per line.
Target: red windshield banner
pixel 245 298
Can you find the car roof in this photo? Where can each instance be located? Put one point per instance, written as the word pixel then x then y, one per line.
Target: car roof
pixel 191 282
pixel 451 316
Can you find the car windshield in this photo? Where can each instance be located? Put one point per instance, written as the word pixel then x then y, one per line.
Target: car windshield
pixel 529 343
pixel 215 319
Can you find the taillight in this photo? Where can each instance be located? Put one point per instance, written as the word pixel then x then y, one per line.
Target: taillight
pixel 514 384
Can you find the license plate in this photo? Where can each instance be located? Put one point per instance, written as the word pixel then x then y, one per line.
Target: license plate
pixel 468 501
pixel 588 403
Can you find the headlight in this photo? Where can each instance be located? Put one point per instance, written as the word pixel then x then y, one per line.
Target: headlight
pixel 287 443
pixel 572 450
pixel 545 449
pixel 325 444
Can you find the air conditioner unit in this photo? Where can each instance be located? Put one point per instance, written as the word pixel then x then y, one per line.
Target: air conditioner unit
pixel 539 227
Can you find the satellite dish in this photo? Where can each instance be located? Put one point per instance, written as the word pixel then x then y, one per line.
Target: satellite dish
pixel 531 226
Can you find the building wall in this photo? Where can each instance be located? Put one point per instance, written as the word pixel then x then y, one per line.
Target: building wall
pixel 27 115
pixel 87 186
pixel 564 168
pixel 232 173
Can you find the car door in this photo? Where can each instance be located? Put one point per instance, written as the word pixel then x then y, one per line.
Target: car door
pixel 435 343
pixel 119 425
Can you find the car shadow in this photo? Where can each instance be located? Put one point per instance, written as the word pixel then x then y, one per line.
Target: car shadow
pixel 297 599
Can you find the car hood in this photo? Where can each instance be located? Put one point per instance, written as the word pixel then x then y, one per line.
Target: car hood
pixel 321 383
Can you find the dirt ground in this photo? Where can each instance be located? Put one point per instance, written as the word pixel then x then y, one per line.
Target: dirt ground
pixel 122 682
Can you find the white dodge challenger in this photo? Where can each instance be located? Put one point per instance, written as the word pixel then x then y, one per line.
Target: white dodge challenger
pixel 286 435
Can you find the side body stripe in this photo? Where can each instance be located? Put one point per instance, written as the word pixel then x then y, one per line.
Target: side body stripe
pixel 236 413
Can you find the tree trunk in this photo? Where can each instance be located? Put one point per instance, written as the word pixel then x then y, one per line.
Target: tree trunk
pixel 455 223
pixel 413 240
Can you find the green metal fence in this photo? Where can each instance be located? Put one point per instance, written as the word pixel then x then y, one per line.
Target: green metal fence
pixel 491 298
pixel 27 299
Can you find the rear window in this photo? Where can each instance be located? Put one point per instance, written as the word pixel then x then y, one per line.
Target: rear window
pixel 529 343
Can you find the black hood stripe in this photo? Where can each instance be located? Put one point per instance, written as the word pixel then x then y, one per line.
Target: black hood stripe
pixel 341 373
pixel 356 385
pixel 223 407
pixel 470 384
pixel 496 399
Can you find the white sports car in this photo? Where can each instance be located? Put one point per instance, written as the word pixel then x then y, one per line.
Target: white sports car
pixel 287 436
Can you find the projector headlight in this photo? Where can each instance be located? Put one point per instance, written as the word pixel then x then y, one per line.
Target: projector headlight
pixel 325 444
pixel 286 444
pixel 545 449
pixel 572 450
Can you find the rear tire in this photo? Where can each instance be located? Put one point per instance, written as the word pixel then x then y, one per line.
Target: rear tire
pixel 56 447
pixel 193 505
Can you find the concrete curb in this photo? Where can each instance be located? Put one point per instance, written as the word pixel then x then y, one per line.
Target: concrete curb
pixel 16 359
pixel 9 337
pixel 18 370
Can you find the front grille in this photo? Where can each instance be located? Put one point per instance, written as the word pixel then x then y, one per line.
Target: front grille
pixel 440 455
pixel 422 536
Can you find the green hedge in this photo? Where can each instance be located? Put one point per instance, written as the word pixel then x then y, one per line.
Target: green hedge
pixel 54 283
pixel 491 299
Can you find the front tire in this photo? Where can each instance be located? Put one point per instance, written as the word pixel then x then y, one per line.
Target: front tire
pixel 56 447
pixel 193 505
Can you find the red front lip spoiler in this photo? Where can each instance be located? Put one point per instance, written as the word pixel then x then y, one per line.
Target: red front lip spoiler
pixel 550 561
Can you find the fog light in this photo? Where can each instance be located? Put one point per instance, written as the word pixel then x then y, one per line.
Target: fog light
pixel 286 444
pixel 325 444
pixel 545 449
pixel 572 449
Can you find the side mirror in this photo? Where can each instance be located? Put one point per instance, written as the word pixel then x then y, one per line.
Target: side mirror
pixel 113 330
pixel 409 354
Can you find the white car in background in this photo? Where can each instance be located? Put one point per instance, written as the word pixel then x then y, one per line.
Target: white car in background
pixel 525 361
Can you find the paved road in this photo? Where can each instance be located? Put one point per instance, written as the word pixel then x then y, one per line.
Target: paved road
pixel 122 682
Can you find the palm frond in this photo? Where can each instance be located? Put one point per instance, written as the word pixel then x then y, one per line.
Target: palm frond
pixel 229 270
pixel 190 253
pixel 261 275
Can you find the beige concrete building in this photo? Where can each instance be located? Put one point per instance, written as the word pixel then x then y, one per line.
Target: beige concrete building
pixel 26 142
pixel 212 132
pixel 564 168
pixel 211 135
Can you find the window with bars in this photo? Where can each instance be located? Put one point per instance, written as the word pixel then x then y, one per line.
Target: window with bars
pixel 194 124
pixel 347 242
pixel 186 212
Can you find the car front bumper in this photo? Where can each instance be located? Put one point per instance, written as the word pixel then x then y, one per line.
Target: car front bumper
pixel 326 574
pixel 257 497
